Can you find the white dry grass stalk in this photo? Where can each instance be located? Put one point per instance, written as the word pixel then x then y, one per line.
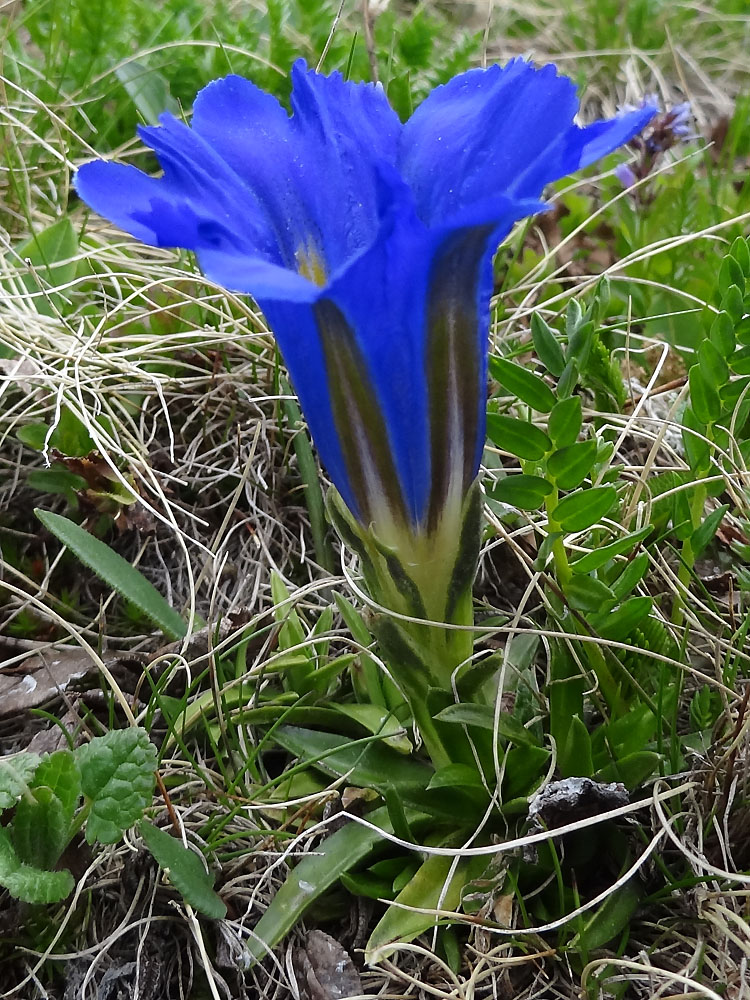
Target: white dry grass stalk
pixel 217 432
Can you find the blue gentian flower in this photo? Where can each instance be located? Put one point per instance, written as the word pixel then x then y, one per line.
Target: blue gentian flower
pixel 368 245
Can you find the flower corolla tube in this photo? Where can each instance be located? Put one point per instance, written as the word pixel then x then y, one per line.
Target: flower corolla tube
pixel 367 243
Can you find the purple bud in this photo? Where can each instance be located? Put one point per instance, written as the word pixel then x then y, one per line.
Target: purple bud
pixel 625 175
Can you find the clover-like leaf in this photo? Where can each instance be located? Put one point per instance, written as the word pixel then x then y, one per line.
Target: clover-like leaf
pixel 117 776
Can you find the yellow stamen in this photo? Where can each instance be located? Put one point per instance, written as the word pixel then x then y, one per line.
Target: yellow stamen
pixel 311 265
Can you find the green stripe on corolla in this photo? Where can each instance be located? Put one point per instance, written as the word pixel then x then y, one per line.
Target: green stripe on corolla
pixel 360 425
pixel 453 363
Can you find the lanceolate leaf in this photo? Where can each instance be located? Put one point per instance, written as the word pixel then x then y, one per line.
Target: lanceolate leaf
pixel 185 871
pixel 312 876
pixel 115 571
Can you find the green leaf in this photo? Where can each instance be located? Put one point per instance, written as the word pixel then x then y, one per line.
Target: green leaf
pixel 632 770
pixel 40 828
pixel 505 725
pixel 371 765
pixel 565 421
pixel 520 382
pixel 55 480
pixel 546 345
pixel 704 398
pixel 184 869
pixel 580 342
pixel 42 823
pixel 31 885
pixel 33 435
pixel 16 772
pixel 706 531
pixel 51 254
pixel 568 379
pixel 586 593
pixel 148 90
pixel 697 449
pixel 524 769
pixel 722 334
pixel 456 776
pixel 574 757
pixel 583 508
pixel 619 624
pixel 117 776
pixel 610 919
pixel 733 304
pixel 432 884
pixel 630 576
pixel 730 273
pixel 599 556
pixel 378 721
pixel 739 250
pixel 521 491
pixel 740 361
pixel 316 873
pixel 116 572
pixel 570 466
pixel 519 437
pixel 713 365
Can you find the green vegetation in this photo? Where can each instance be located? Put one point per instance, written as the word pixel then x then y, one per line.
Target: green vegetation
pixel 172 595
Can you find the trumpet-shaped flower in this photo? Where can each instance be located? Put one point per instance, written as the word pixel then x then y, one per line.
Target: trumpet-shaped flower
pixel 368 245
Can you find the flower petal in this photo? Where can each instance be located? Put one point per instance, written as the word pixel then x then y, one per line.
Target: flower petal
pixel 502 130
pixel 311 173
pixel 406 323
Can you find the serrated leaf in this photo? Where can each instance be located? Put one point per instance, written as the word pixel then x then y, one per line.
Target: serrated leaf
pixel 565 421
pixel 42 823
pixel 527 386
pixel 31 885
pixel 40 828
pixel 521 491
pixel 546 345
pixel 117 776
pixel 570 466
pixel 184 869
pixel 16 773
pixel 116 572
pixel 519 437
pixel 583 508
